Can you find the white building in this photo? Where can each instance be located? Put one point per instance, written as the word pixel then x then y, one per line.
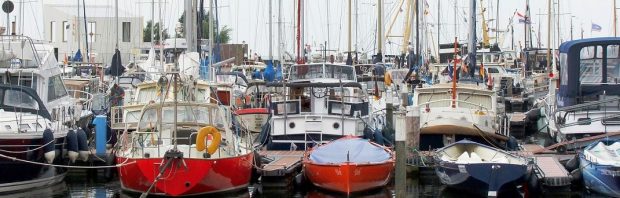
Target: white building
pixel 61 29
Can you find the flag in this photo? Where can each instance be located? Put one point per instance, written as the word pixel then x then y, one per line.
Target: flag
pixel 596 27
pixel 523 19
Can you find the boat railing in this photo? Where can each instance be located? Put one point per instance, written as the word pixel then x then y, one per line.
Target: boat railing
pixel 486 109
pixel 85 98
pixel 17 42
pixel 601 105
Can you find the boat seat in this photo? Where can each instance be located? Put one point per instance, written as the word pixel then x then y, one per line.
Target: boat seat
pixel 463 158
pixel 475 158
pixel 500 159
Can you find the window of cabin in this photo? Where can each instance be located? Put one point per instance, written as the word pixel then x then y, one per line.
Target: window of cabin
pixel 55 88
pixel 613 64
pixel 53 31
pixel 492 70
pixel 65 31
pixel 126 31
pixel 591 65
pixel 20 99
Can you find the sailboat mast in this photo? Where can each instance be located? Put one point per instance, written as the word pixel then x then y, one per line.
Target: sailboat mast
pixel 116 21
pixel 379 31
pixel 497 22
pixel 280 44
pixel 299 47
pixel 211 42
pixel 153 33
pixel 79 32
pixel 270 32
pixel 472 37
pixel 549 35
pixel 615 21
pixel 349 27
pixel 356 24
pixel 438 28
pixel 161 39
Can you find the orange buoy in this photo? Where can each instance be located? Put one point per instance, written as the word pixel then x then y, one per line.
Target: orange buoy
pixel 202 136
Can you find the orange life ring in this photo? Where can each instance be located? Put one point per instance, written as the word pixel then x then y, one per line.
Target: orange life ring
pixel 201 139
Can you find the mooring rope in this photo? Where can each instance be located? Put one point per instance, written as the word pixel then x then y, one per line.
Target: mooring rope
pixel 124 163
pixel 25 151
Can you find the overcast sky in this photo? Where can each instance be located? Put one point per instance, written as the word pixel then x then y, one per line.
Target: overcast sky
pixel 326 20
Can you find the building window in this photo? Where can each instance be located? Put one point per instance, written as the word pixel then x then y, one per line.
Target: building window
pixel 126 31
pixel 92 32
pixel 65 31
pixel 53 31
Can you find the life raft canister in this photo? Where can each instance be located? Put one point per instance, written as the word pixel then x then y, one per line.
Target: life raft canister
pixel 202 136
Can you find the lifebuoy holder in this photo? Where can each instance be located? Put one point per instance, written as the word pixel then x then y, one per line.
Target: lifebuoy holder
pixel 201 139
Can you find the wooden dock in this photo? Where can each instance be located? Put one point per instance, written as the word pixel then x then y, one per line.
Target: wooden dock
pixel 281 168
pixel 517 125
pixel 551 172
pixel 548 169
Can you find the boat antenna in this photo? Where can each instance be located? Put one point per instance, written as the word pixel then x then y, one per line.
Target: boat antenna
pixel 454 73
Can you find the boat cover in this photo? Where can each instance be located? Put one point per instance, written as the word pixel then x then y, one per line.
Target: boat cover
pixel 355 150
pixel 605 154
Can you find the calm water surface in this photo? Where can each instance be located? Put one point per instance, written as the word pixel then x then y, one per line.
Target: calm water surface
pixel 427 185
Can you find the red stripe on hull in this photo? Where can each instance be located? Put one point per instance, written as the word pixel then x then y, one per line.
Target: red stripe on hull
pixel 252 111
pixel 191 176
pixel 349 177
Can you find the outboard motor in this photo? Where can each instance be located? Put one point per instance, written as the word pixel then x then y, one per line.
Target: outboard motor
pixel 49 148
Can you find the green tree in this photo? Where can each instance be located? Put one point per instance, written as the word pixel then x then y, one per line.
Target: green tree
pixel 222 37
pixel 147 32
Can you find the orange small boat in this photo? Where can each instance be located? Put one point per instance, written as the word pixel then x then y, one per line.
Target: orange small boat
pixel 349 164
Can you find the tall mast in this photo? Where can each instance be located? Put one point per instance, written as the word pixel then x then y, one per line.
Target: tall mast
pixel 211 42
pixel 379 31
pixel 497 22
pixel 190 25
pixel 280 44
pixel 472 36
pixel 300 47
pixel 549 35
pixel 116 21
pixel 356 24
pixel 349 27
pixel 456 34
pixel 438 28
pixel 161 39
pixel 270 32
pixel 152 31
pixel 615 20
pixel 79 32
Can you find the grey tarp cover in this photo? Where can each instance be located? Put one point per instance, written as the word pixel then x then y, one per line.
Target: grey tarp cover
pixel 358 149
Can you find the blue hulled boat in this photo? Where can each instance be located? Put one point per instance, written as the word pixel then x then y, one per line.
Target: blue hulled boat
pixel 480 169
pixel 600 167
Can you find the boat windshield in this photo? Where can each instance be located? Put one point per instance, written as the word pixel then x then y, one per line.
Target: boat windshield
pixel 204 115
pixel 343 72
pixel 19 99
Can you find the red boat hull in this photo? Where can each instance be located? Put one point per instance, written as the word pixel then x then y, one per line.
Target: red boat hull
pixel 190 176
pixel 349 177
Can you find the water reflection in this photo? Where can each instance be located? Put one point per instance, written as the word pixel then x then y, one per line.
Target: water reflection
pixel 425 185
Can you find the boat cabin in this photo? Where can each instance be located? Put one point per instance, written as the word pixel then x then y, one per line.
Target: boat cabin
pixel 589 71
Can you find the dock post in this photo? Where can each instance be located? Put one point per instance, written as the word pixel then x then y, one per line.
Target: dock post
pixel 401 155
pixel 389 117
pixel 412 122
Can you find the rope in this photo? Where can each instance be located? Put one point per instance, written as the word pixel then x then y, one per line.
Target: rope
pixel 67 166
pixel 25 151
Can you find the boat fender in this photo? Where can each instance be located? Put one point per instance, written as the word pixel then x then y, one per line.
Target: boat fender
pixel 576 175
pixel 82 144
pixel 49 148
pixel 72 145
pixel 201 139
